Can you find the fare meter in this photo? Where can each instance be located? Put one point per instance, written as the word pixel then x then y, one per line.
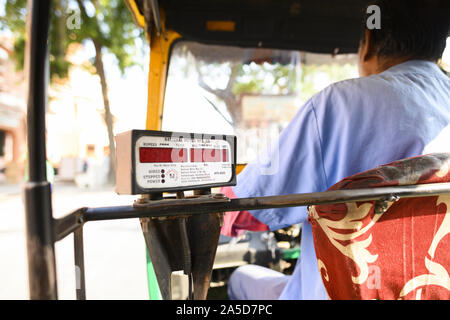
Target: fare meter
pixel 159 161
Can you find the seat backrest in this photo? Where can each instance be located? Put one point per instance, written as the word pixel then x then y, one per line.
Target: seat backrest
pixel 402 253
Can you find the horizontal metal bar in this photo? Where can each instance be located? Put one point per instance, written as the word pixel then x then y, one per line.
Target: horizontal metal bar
pixel 68 224
pixel 190 206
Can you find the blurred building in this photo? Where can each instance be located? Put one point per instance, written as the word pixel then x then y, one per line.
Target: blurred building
pixel 12 116
pixel 77 134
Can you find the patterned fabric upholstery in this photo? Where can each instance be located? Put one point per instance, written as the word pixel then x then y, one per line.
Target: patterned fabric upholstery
pixel 402 253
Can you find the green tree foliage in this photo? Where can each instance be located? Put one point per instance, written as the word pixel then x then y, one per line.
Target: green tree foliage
pixel 246 79
pixel 303 80
pixel 266 78
pixel 106 23
pixel 14 21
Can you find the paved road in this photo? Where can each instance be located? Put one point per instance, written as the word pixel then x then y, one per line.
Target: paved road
pixel 114 250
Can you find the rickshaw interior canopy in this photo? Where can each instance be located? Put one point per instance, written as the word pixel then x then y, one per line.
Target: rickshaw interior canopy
pixel 318 26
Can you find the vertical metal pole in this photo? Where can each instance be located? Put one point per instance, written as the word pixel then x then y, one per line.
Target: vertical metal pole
pixel 38 209
pixel 187 260
pixel 79 264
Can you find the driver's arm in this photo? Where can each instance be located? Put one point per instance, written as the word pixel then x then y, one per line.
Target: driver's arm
pixel 295 166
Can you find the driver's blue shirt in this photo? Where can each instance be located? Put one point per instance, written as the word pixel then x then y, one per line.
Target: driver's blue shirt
pixel 349 127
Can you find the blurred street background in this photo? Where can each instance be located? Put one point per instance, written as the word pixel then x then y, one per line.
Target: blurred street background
pixel 81 122
pixel 114 250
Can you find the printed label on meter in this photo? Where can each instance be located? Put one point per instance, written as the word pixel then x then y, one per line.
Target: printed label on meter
pixel 174 161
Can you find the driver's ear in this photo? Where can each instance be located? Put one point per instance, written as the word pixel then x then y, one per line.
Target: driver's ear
pixel 367 48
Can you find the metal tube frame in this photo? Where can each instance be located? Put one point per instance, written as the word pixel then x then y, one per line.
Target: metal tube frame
pixel 43 230
pixel 191 206
pixel 37 191
pixel 78 249
pixel 73 223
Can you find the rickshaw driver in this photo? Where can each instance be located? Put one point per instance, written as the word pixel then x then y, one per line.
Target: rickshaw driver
pixel 399 105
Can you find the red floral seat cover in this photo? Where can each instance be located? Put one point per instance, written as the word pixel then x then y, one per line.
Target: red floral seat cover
pixel 403 253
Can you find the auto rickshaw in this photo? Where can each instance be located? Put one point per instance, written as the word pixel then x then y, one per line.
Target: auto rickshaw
pixel 182 231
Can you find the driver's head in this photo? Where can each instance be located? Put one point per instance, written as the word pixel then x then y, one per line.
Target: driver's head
pixel 408 30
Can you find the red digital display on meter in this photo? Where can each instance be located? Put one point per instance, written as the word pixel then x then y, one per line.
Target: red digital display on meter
pixel 162 155
pixel 155 162
pixel 209 155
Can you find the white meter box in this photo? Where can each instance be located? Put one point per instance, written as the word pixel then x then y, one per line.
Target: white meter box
pixel 160 161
